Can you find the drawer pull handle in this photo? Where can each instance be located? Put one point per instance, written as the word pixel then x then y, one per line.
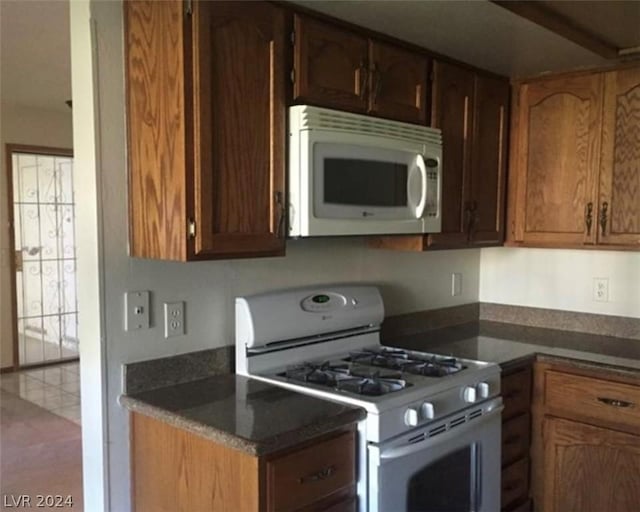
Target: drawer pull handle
pixel 615 403
pixel 323 474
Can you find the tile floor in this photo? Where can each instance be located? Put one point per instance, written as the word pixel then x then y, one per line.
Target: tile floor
pixel 54 388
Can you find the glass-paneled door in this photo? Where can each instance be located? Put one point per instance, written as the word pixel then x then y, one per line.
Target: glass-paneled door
pixel 45 256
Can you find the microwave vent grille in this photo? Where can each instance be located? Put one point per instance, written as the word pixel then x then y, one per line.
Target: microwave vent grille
pixel 319 119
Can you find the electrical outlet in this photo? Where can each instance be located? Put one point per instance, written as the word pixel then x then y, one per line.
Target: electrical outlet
pixel 456 284
pixel 601 289
pixel 136 311
pixel 173 319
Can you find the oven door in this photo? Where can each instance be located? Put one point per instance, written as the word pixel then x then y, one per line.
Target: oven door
pixel 451 466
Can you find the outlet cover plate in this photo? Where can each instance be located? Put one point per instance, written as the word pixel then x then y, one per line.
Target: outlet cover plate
pixel 601 289
pixel 456 284
pixel 173 319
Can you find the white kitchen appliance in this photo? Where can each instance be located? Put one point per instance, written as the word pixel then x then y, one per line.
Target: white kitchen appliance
pixel 351 174
pixel 431 438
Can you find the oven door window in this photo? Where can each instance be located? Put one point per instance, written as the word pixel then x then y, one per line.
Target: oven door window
pixel 359 182
pixel 445 485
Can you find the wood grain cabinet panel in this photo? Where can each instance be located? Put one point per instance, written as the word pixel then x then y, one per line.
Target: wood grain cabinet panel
pixel 489 161
pixel 558 149
pixel 240 129
pixel 341 69
pixel 472 112
pixel 398 83
pixel 590 469
pixel 619 223
pixel 178 471
pixel 452 112
pixel 575 165
pixel 330 66
pixel 206 132
pixel 586 440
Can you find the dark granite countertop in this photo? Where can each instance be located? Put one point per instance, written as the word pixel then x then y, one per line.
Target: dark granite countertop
pixel 509 344
pixel 242 413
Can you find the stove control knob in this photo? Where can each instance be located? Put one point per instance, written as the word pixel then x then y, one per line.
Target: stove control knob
pixel 483 390
pixel 426 411
pixel 469 394
pixel 411 417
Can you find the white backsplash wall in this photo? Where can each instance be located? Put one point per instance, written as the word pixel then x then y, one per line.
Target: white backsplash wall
pixel 561 279
pixel 409 281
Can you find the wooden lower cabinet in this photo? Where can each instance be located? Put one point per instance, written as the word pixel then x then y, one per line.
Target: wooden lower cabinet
pixel 585 441
pixel 516 435
pixel 590 469
pixel 176 471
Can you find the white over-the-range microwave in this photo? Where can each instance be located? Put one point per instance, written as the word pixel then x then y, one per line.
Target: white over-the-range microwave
pixel 351 174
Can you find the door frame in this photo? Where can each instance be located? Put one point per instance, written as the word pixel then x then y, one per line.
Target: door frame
pixel 9 149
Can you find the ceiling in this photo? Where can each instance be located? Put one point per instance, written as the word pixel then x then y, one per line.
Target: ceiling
pixel 616 22
pixel 35 60
pixel 474 31
pixel 35 67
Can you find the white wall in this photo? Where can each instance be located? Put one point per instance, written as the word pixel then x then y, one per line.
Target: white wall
pixel 36 127
pixel 561 279
pixel 409 281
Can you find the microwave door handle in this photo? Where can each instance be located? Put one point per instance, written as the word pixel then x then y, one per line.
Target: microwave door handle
pixel 423 197
pixel 402 451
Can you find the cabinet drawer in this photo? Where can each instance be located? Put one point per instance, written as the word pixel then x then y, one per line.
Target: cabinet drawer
pixel 593 400
pixel 516 434
pixel 515 483
pixel 300 478
pixel 516 393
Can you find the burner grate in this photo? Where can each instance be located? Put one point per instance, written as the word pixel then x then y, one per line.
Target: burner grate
pixel 347 377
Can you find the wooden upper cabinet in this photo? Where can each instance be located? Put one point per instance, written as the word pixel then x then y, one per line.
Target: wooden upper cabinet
pixel 575 167
pixel 619 205
pixel 556 165
pixel 156 129
pixel 488 161
pixel 452 112
pixel 398 83
pixel 340 69
pixel 472 112
pixel 206 129
pixel 330 66
pixel 239 100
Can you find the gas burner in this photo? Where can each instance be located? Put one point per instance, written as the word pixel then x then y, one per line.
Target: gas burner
pixel 324 374
pixel 371 386
pixel 347 377
pixel 403 361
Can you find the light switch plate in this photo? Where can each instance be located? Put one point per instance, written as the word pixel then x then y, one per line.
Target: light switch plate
pixel 136 311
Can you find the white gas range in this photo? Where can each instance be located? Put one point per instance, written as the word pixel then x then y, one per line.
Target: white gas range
pixel 431 438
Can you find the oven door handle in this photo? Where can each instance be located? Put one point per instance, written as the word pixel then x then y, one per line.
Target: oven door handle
pixel 402 451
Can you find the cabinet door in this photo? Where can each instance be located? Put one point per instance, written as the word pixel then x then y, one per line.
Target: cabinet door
pixel 330 66
pixel 398 83
pixel 557 160
pixel 452 112
pixel 156 129
pixel 590 469
pixel 488 163
pixel 239 119
pixel 619 205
